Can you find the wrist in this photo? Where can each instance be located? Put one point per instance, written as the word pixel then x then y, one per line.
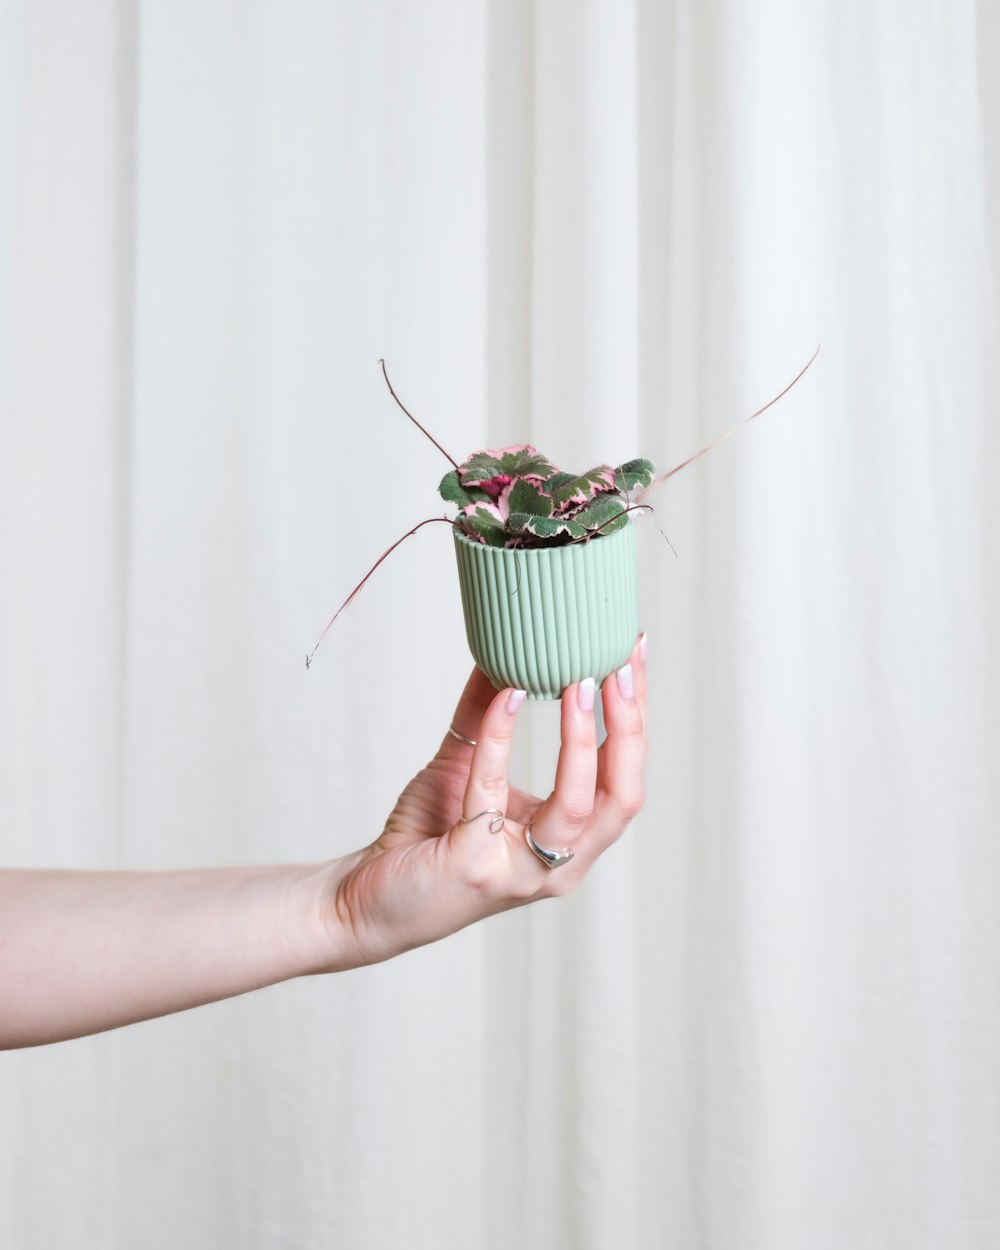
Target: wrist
pixel 317 935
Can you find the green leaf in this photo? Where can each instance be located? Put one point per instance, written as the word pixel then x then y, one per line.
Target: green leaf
pixel 526 497
pixel 634 474
pixel 512 462
pixel 452 491
pixel 574 493
pixel 479 468
pixel 605 514
pixel 485 526
pixel 543 526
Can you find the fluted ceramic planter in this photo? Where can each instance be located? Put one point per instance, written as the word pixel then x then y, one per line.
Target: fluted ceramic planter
pixel 538 619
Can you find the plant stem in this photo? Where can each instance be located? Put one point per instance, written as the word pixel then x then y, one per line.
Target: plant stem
pixel 358 588
pixel 454 463
pixel 728 434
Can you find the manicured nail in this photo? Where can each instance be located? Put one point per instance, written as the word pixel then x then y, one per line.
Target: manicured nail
pixel 625 683
pixel 515 699
pixel 642 646
pixel 585 695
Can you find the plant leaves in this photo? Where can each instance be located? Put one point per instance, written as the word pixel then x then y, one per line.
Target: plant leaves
pixel 578 490
pixel 508 462
pixel 452 491
pixel 606 513
pixel 543 526
pixel 633 474
pixel 483 523
pixel 524 496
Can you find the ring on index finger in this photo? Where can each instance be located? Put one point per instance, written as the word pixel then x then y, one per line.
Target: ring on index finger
pixel 496 818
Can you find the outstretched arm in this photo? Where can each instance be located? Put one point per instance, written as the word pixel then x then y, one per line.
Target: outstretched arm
pixel 85 951
pixel 81 952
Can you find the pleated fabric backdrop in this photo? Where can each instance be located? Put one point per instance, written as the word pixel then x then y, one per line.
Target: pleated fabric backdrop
pixel 771 1018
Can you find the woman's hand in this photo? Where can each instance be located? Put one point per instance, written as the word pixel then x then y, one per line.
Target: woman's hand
pixel 86 951
pixel 431 873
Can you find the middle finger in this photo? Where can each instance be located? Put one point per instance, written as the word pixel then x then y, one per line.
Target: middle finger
pixel 563 816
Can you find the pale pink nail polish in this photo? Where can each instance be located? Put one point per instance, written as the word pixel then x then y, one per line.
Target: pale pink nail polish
pixel 625 683
pixel 515 699
pixel 585 695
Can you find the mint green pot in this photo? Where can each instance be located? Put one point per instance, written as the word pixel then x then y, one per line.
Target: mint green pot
pixel 540 619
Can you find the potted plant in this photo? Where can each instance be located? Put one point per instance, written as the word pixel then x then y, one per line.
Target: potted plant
pixel 546 565
pixel 546 560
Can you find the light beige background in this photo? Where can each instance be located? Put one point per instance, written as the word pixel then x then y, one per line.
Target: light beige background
pixel 770 1021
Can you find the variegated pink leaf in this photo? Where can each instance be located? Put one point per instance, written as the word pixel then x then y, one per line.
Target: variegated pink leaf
pixel 577 492
pixel 491 471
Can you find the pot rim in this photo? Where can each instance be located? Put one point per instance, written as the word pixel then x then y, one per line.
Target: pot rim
pixel 461 536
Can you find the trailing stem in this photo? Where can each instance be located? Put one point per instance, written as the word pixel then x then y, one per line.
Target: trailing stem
pixel 518 499
pixel 658 481
pixel 414 419
pixel 360 586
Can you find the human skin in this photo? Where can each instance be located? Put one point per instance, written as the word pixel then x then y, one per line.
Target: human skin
pixel 81 952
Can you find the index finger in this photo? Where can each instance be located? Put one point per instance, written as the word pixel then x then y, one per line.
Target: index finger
pixel 477 696
pixel 486 790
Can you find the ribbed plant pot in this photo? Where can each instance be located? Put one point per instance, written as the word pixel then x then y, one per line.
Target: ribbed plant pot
pixel 542 618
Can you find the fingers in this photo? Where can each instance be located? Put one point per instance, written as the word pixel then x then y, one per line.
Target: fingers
pixel 486 789
pixel 569 807
pixel 477 696
pixel 596 793
pixel 621 760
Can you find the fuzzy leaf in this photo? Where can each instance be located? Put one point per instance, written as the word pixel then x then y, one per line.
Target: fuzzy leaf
pixel 578 490
pixel 633 474
pixel 606 514
pixel 543 526
pixel 452 491
pixel 509 462
pixel 484 524
pixel 524 496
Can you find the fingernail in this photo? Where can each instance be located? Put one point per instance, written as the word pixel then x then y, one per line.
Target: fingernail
pixel 515 699
pixel 625 683
pixel 642 646
pixel 585 695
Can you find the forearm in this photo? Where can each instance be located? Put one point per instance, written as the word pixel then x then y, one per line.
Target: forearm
pixel 81 952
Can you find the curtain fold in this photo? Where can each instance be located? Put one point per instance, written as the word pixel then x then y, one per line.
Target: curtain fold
pixel 770 1017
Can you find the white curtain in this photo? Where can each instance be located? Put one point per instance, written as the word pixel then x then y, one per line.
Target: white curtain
pixel 771 1018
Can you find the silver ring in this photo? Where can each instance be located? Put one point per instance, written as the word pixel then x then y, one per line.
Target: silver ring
pixel 496 818
pixel 551 859
pixel 469 742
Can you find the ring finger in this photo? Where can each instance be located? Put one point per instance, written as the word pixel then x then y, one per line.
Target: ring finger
pixel 563 816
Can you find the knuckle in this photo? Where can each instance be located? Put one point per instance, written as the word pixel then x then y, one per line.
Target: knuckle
pixel 482 875
pixel 559 885
pixel 494 780
pixel 631 806
pixel 584 736
pixel 632 803
pixel 524 891
pixel 478 874
pixel 575 815
pixel 633 726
